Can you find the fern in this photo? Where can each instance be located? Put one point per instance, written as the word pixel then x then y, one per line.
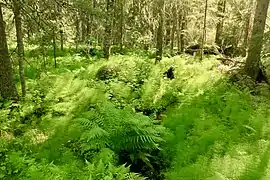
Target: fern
pixel 120 131
pixel 103 167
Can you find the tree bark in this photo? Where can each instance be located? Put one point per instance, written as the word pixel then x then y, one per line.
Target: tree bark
pixel 20 44
pixel 7 86
pixel 252 67
pixel 160 31
pixel 108 29
pixel 221 12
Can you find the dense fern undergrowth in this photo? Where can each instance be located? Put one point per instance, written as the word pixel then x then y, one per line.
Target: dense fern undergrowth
pixel 124 119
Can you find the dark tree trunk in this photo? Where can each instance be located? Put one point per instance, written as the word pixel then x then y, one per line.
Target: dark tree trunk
pixel 7 85
pixel 20 44
pixel 88 26
pixel 62 39
pixel 252 66
pixel 221 12
pixel 160 31
pixel 108 29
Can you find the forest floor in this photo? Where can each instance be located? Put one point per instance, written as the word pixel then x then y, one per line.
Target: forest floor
pixel 215 129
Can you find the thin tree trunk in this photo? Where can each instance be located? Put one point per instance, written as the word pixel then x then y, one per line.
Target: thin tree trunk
pixel 82 26
pixel 179 30
pixel 93 22
pixel 114 39
pixel 168 31
pixel 108 29
pixel 7 86
pixel 62 39
pixel 182 36
pixel 221 12
pixel 88 25
pixel 54 50
pixel 121 26
pixel 204 29
pixel 174 12
pixel 252 66
pixel 20 44
pixel 77 25
pixel 160 31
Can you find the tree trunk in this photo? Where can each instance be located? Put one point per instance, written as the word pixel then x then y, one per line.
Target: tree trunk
pixel 88 26
pixel 221 12
pixel 168 31
pixel 108 29
pixel 77 25
pixel 83 27
pixel 248 28
pixel 247 31
pixel 7 85
pixel 20 44
pixel 121 25
pixel 174 12
pixel 54 49
pixel 252 66
pixel 160 31
pixel 62 39
pixel 182 35
pixel 93 23
pixel 179 29
pixel 204 29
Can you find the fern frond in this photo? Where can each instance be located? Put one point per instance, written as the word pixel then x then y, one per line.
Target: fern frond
pixel 86 123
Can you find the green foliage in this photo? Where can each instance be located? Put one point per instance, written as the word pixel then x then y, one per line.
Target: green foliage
pixel 208 126
pixel 105 72
pixel 74 125
pixel 57 163
pixel 119 130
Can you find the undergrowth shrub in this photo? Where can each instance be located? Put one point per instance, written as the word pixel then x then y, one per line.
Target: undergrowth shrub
pixel 22 160
pixel 80 122
pixel 107 72
pixel 207 126
pixel 125 133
